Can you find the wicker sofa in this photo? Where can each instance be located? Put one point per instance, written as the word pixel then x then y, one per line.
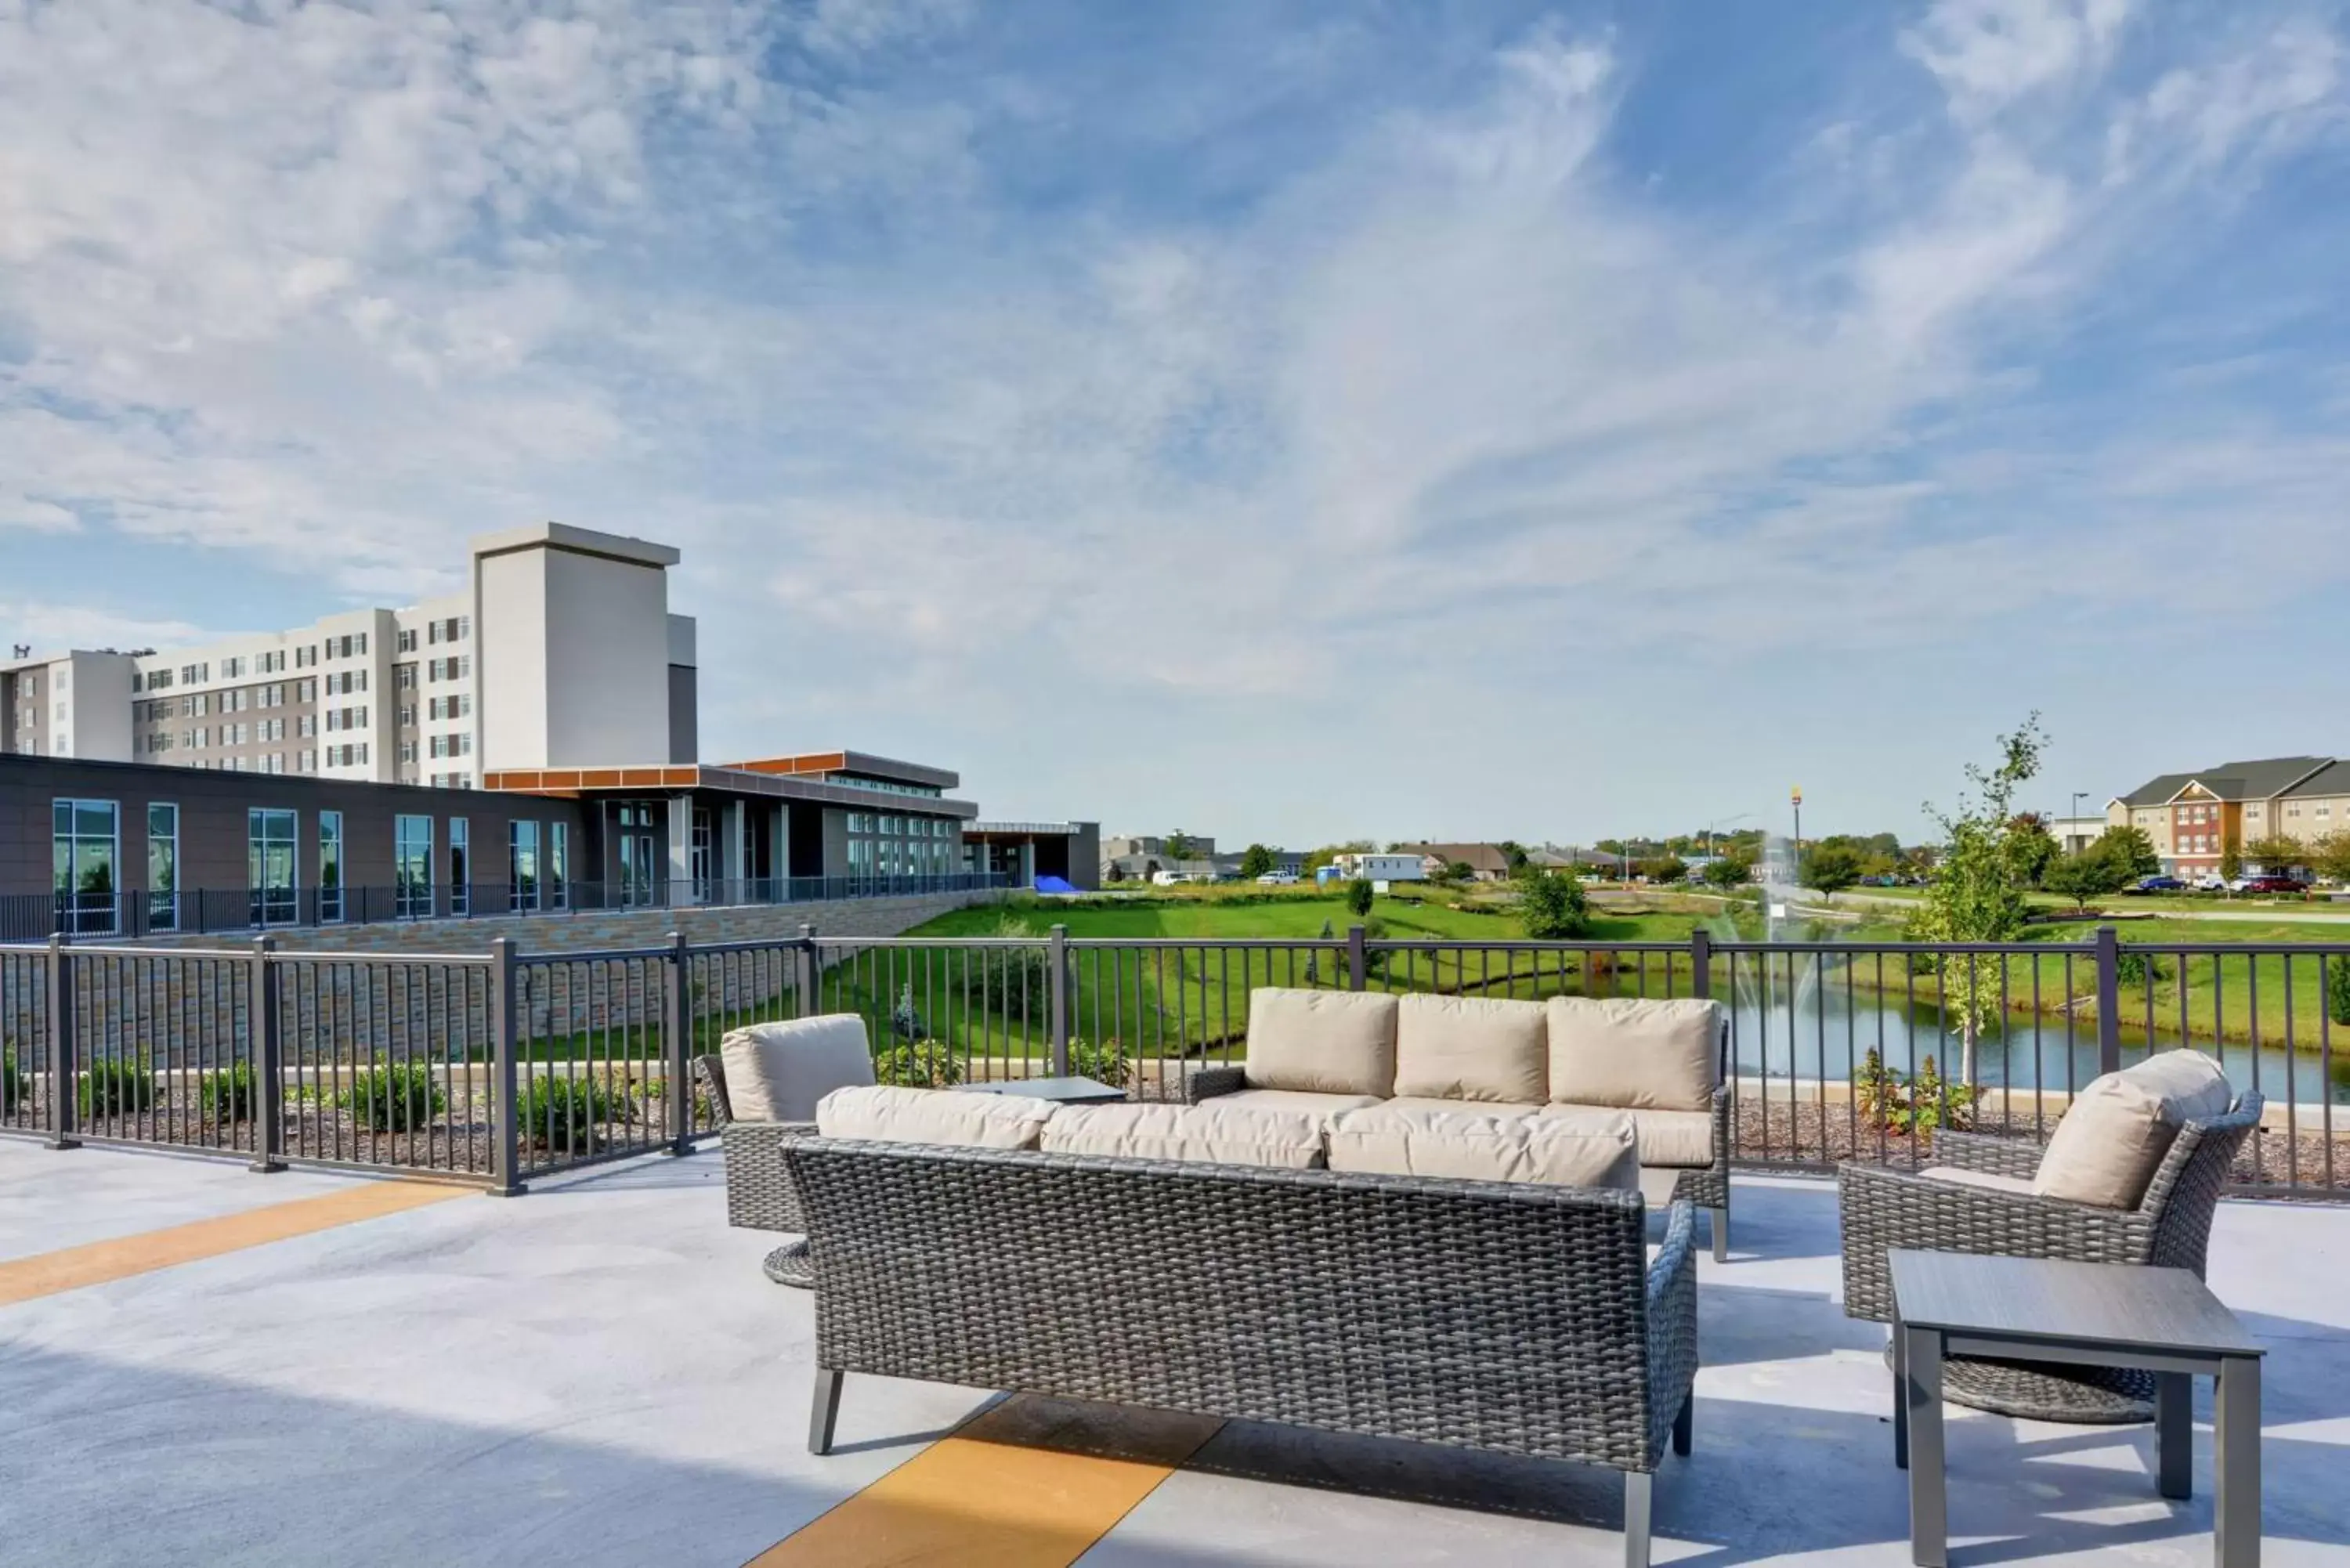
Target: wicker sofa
pixel 1513 1317
pixel 1663 1063
pixel 1980 1196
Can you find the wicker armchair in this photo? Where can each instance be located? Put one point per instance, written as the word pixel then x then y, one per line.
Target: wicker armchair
pixel 2170 1228
pixel 760 1194
pixel 1511 1317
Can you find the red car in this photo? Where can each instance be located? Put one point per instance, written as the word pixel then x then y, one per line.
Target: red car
pixel 2275 885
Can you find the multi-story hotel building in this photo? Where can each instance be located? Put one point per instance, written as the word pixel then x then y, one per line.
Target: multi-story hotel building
pixel 2191 817
pixel 560 649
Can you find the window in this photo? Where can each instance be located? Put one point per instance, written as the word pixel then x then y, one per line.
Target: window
pixel 309 760
pixel 162 868
pixel 407 751
pixel 330 865
pixel 407 641
pixel 558 866
pixel 306 725
pixel 412 866
pixel 307 691
pixel 305 655
pixel 232 669
pixel 270 861
pixel 159 680
pixel 270 663
pixel 404 678
pixel 83 837
pixel 193 674
pixel 522 859
pixel 407 715
pixel 460 885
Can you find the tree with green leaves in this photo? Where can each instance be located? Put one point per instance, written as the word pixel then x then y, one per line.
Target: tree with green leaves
pixel 2133 849
pixel 1973 897
pixel 2329 856
pixel 1255 861
pixel 2337 990
pixel 2276 854
pixel 2095 872
pixel 1552 907
pixel 1317 858
pixel 1180 846
pixel 1359 898
pixel 1515 854
pixel 1829 867
pixel 1727 872
pixel 2231 857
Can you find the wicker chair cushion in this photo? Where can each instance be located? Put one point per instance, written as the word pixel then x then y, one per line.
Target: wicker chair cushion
pixel 777 1072
pixel 1635 1053
pixel 1676 1141
pixel 1470 1144
pixel 2020 1185
pixel 1327 1042
pixel 1219 1133
pixel 2113 1137
pixel 1472 1048
pixel 1322 1108
pixel 886 1113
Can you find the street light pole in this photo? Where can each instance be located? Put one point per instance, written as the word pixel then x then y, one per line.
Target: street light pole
pixel 1796 796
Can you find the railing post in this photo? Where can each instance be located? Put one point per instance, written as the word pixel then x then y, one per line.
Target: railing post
pixel 505 1109
pixel 268 1056
pixel 805 975
pixel 2109 1000
pixel 64 1077
pixel 1058 950
pixel 1700 962
pixel 680 1044
pixel 1357 964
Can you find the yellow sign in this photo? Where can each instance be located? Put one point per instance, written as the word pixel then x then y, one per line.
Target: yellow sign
pixel 1796 794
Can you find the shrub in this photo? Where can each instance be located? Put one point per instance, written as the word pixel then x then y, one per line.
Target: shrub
pixel 565 1114
pixel 2134 967
pixel 918 1064
pixel 113 1088
pixel 1359 898
pixel 1013 978
pixel 14 1090
pixel 226 1094
pixel 2337 990
pixel 1900 1103
pixel 393 1098
pixel 1554 906
pixel 1104 1064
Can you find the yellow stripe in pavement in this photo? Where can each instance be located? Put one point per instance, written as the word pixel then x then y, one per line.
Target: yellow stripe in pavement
pixel 1030 1484
pixel 70 1268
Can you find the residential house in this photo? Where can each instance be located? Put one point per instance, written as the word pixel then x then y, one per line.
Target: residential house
pixel 2190 818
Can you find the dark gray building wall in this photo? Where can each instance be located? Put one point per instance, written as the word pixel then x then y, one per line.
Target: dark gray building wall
pixel 684 714
pixel 213 823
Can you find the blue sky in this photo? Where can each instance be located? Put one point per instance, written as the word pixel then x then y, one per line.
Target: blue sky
pixel 1296 421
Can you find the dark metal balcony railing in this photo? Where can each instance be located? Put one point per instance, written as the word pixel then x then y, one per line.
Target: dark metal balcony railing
pixel 492 1066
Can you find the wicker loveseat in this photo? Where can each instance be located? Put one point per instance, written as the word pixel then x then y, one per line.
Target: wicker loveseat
pixel 1513 1317
pixel 1661 1062
pixel 1978 1197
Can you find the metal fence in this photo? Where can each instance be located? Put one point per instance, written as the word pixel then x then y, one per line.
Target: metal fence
pixel 132 916
pixel 499 1066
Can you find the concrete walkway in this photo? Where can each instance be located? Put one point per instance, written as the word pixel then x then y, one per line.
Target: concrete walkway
pixel 597 1374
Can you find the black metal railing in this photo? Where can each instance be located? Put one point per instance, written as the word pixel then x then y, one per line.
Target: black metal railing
pixel 498 1066
pixel 213 911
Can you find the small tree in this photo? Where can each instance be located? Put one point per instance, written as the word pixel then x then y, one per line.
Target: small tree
pixel 1974 898
pixel 2337 990
pixel 2276 854
pixel 1515 854
pixel 1359 898
pixel 2133 849
pixel 2329 856
pixel 1458 871
pixel 1829 869
pixel 2231 857
pixel 1256 860
pixel 2092 874
pixel 1180 846
pixel 2031 848
pixel 1664 868
pixel 1553 905
pixel 1726 873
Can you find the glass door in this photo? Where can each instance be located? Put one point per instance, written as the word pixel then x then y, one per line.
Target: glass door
pixel 270 866
pixel 162 868
pixel 639 857
pixel 84 836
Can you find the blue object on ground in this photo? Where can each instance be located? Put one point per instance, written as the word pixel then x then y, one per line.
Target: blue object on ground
pixel 1053 885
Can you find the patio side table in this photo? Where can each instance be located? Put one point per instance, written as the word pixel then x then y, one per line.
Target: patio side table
pixel 2081 1315
pixel 1065 1091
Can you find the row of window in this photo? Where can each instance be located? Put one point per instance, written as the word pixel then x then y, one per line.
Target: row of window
pixel 885 786
pixel 347 718
pixel 352 645
pixel 461 667
pixel 454 629
pixel 900 826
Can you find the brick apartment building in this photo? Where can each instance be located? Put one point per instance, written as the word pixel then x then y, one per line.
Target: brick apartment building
pixel 2192 817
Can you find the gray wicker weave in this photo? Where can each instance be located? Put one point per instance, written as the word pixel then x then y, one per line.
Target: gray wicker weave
pixel 1708 1188
pixel 2170 1228
pixel 759 1191
pixel 1512 1317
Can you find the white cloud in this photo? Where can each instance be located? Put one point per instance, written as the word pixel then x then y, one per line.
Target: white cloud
pixel 1988 53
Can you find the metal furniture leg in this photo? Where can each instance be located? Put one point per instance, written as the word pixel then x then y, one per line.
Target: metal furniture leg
pixel 2174 1434
pixel 1929 1525
pixel 823 1410
pixel 2236 1500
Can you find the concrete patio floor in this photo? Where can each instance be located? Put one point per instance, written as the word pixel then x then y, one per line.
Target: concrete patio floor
pixel 597 1372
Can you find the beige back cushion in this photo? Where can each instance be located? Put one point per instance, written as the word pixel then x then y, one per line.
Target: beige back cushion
pixel 777 1072
pixel 2112 1138
pixel 1215 1132
pixel 1470 1144
pixel 1472 1048
pixel 1635 1053
pixel 1329 1042
pixel 886 1113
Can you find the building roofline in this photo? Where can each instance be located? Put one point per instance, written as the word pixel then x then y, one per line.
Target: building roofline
pixel 574 541
pixel 671 777
pixel 849 762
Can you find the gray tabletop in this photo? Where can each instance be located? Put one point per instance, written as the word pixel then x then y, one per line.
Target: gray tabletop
pixel 1067 1090
pixel 2074 1303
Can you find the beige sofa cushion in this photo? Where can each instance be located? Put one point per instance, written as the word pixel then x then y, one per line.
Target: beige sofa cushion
pixel 777 1072
pixel 1470 1144
pixel 1483 1108
pixel 2112 1138
pixel 1471 1048
pixel 1677 1141
pixel 1327 1042
pixel 1216 1131
pixel 886 1114
pixel 1635 1053
pixel 1321 1106
pixel 1990 1179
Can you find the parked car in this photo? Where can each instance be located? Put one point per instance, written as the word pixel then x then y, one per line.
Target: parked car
pixel 1277 880
pixel 2159 884
pixel 2212 882
pixel 2274 884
